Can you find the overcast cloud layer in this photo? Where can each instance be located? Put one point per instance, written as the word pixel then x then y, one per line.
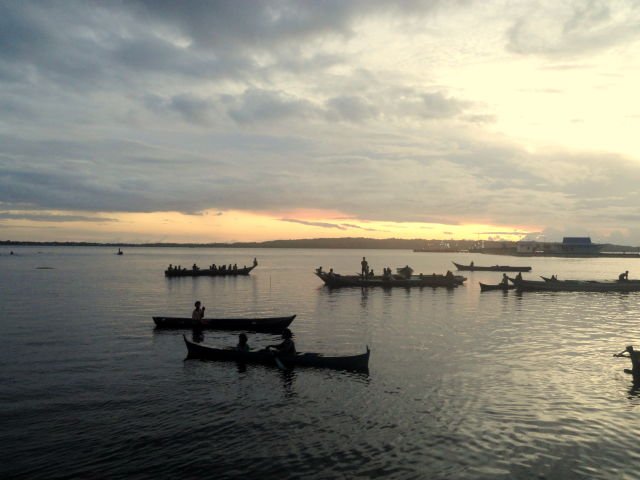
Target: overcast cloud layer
pixel 146 106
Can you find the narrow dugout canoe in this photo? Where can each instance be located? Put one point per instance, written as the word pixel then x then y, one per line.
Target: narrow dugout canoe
pixel 494 268
pixel 358 363
pixel 268 324
pixel 576 286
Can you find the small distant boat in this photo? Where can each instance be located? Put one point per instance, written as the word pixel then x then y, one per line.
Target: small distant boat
pixel 267 324
pixel 120 252
pixel 495 268
pixel 334 280
pixel 357 363
pixel 500 286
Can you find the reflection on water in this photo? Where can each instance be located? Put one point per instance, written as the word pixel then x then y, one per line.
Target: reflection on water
pixel 461 385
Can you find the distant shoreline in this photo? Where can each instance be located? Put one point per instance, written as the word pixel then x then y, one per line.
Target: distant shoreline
pixel 355 243
pixel 328 243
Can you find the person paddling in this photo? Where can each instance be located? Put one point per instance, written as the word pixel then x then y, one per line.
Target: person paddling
pixel 286 347
pixel 635 360
pixel 242 346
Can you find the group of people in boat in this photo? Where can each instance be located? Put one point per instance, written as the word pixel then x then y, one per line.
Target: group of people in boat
pixel 286 347
pixel 213 267
pixel 367 273
pixel 177 268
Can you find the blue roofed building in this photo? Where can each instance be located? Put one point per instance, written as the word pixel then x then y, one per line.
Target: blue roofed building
pixel 570 246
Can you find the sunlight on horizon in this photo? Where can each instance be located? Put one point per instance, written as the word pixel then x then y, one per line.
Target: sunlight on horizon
pixel 236 226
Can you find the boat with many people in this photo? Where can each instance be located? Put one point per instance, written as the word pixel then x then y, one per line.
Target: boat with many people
pixel 358 363
pixel 212 271
pixel 266 324
pixel 495 268
pixel 335 280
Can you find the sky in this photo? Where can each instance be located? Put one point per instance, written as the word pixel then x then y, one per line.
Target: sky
pixel 223 121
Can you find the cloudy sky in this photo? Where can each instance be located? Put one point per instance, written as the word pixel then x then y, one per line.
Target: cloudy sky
pixel 241 120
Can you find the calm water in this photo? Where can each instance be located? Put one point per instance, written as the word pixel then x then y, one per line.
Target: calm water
pixel 461 384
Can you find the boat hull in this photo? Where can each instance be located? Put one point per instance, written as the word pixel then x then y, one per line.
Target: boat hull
pixel 486 288
pixel 359 363
pixel 495 268
pixel 576 286
pixel 268 324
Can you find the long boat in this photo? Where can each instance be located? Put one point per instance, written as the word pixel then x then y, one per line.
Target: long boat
pixel 577 285
pixel 267 324
pixel 494 268
pixel 359 363
pixel 334 280
pixel 500 286
pixel 207 272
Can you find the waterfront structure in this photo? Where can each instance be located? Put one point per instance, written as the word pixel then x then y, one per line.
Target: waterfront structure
pixel 570 246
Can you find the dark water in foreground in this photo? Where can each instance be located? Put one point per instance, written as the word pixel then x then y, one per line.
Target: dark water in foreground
pixel 461 384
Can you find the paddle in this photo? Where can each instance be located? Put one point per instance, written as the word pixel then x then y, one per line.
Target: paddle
pixel 279 362
pixel 281 365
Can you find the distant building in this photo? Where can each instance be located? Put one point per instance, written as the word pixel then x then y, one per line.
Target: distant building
pixel 570 246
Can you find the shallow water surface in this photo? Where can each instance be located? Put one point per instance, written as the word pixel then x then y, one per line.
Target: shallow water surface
pixel 461 384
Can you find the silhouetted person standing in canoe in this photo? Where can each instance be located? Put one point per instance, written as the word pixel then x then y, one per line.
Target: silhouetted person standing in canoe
pixel 198 313
pixel 365 267
pixel 635 360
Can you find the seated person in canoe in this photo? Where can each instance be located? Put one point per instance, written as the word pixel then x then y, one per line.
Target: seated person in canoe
pixel 624 276
pixel 505 279
pixel 242 346
pixel 287 346
pixel 635 360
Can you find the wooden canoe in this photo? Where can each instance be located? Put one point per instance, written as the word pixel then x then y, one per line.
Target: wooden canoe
pixel 500 286
pixel 267 324
pixel 577 286
pixel 494 268
pixel 359 363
